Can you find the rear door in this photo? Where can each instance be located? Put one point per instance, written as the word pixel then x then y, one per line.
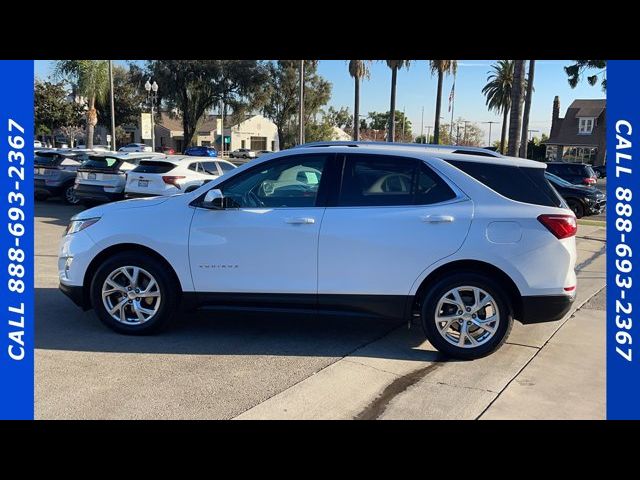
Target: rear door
pixel 392 218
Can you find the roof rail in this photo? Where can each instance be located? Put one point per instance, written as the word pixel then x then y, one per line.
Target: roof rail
pixel 451 148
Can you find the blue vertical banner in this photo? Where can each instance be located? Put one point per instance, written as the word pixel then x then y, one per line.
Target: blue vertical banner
pixel 623 247
pixel 16 240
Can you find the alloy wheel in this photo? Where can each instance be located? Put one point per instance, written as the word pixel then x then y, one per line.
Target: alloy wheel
pixel 131 295
pixel 467 316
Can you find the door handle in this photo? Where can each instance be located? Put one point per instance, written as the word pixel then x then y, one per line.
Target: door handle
pixel 300 220
pixel 437 219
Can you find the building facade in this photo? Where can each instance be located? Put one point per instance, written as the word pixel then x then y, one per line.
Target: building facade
pixel 581 135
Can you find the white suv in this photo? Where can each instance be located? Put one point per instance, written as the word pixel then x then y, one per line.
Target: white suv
pixel 173 174
pixel 465 241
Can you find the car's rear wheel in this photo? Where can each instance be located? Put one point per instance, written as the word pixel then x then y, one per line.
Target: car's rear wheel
pixel 466 315
pixel 69 195
pixel 133 294
pixel 576 207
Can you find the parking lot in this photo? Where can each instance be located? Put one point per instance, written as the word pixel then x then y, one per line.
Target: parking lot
pixel 254 366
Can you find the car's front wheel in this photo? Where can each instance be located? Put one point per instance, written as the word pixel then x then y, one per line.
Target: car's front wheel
pixel 132 293
pixel 466 315
pixel 576 207
pixel 70 196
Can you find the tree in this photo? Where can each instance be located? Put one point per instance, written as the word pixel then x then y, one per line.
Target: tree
pixel 441 67
pixel 358 69
pixel 52 110
pixel 340 118
pixel 192 87
pixel 72 132
pixel 394 65
pixel 498 93
pixel 515 118
pixel 527 108
pixel 91 79
pixel 381 120
pixel 282 102
pixel 576 70
pixel 129 97
pixel 319 131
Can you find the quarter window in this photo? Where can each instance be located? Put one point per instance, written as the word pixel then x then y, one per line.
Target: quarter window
pixel 372 180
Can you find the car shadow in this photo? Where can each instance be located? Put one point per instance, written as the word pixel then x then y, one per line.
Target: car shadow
pixel 60 325
pixel 55 211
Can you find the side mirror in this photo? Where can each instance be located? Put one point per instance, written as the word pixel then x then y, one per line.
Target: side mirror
pixel 214 199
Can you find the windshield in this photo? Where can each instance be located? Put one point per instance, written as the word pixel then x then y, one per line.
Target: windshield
pixel 557 180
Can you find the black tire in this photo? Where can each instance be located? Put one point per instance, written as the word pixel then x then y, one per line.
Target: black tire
pixel 168 286
pixel 437 291
pixel 67 197
pixel 576 207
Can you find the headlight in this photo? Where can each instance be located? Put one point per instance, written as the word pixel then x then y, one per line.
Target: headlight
pixel 77 225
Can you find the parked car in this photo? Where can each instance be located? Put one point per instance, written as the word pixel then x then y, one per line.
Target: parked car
pixel 582 200
pixel 103 176
pixel 201 151
pixel 135 147
pixel 243 153
pixel 37 144
pixel 575 173
pixel 102 148
pixel 173 174
pixel 166 150
pixel 54 174
pixel 601 171
pixel 462 243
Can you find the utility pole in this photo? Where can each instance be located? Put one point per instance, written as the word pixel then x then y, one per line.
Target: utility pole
pixel 403 117
pixel 490 123
pixel 525 147
pixel 458 134
pixel 464 138
pixel 422 126
pixel 222 127
pixel 427 138
pixel 301 115
pixel 113 115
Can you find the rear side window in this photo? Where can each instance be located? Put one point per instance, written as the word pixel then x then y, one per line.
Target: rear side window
pixel 151 166
pixel 372 180
pixel 210 168
pixel 526 185
pixel 225 167
pixel 44 159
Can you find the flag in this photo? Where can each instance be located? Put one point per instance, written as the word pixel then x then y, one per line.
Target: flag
pixel 452 94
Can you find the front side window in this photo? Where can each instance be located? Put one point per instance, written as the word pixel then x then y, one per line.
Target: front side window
pixel 376 180
pixel 279 183
pixel 210 168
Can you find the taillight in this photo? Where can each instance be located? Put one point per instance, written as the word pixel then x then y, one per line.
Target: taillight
pixel 172 180
pixel 562 226
pixel 589 181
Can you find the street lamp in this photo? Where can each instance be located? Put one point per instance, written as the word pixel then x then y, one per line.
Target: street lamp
pixel 152 97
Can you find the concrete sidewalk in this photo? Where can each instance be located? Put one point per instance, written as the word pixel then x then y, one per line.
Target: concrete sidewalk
pixel 548 370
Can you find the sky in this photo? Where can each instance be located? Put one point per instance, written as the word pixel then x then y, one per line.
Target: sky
pixel 416 90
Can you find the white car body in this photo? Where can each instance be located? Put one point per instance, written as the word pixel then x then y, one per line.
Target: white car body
pixel 243 153
pixel 173 174
pixel 377 260
pixel 135 147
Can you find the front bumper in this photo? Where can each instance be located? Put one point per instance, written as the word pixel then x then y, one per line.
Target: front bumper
pixel 544 308
pixel 596 207
pixel 96 193
pixel 76 294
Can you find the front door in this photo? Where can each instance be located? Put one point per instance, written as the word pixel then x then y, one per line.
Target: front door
pixel 267 240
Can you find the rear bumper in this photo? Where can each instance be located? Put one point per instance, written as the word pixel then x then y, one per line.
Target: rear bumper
pixel 96 193
pixel 40 187
pixel 596 208
pixel 140 195
pixel 544 308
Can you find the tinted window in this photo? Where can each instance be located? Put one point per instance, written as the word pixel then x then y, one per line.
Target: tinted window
pixel 44 159
pixel 195 167
pixel 276 183
pixel 102 162
pixel 527 185
pixel 151 166
pixel 225 167
pixel 210 168
pixel 371 180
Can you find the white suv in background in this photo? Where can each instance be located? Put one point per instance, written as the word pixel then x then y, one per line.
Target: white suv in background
pixel 465 242
pixel 173 174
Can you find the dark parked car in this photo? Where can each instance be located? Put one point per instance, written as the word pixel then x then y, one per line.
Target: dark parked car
pixel 575 173
pixel 55 174
pixel 583 200
pixel 201 152
pixel 601 171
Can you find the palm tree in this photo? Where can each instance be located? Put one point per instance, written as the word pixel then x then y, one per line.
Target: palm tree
pixel 498 93
pixel 515 117
pixel 394 65
pixel 441 67
pixel 524 140
pixel 91 78
pixel 358 69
